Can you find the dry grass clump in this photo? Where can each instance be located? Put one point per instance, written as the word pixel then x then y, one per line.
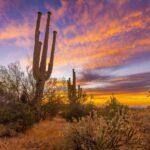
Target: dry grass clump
pixel 141 119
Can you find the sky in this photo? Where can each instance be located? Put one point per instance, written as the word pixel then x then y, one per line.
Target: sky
pixel 107 42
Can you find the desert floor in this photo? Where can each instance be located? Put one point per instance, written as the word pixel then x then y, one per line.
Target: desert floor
pixel 48 134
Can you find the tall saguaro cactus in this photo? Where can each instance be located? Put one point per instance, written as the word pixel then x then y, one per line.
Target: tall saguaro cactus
pixel 40 56
pixel 74 94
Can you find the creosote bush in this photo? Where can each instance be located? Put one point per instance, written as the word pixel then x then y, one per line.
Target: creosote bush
pixel 89 108
pixel 16 117
pixel 76 111
pixel 73 111
pixel 51 108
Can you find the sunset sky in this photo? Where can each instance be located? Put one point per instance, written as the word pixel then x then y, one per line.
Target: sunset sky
pixel 107 42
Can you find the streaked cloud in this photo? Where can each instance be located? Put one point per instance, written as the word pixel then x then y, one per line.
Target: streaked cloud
pixel 103 40
pixel 118 84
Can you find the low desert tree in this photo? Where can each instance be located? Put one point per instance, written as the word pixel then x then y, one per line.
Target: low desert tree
pixel 11 78
pixel 17 88
pixel 14 81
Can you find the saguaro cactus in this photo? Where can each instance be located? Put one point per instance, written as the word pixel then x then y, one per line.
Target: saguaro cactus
pixel 40 56
pixel 74 94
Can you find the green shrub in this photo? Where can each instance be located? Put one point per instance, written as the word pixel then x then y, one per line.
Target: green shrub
pixel 51 108
pixel 89 108
pixel 77 111
pixel 16 117
pixel 73 111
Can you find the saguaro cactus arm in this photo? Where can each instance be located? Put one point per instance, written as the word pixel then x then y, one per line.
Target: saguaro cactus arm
pixel 69 82
pixel 50 65
pixel 37 48
pixel 74 81
pixel 45 46
pixel 69 87
pixel 80 93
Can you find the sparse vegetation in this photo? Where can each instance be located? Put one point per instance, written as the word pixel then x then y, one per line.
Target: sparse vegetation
pixel 54 134
pixel 99 134
pixel 100 131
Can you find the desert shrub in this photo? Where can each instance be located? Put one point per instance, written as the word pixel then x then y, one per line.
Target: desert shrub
pixel 51 108
pixel 97 133
pixel 89 108
pixel 113 107
pixel 78 110
pixel 16 117
pixel 73 111
pixel 53 99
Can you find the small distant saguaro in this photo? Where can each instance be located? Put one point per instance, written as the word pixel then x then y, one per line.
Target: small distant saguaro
pixel 40 56
pixel 74 94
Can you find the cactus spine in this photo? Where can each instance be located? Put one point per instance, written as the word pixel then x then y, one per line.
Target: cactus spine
pixel 74 94
pixel 40 56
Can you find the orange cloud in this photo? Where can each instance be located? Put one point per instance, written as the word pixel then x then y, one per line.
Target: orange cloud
pixel 90 46
pixel 15 31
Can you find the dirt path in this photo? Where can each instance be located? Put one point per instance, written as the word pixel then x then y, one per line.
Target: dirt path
pixel 42 136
